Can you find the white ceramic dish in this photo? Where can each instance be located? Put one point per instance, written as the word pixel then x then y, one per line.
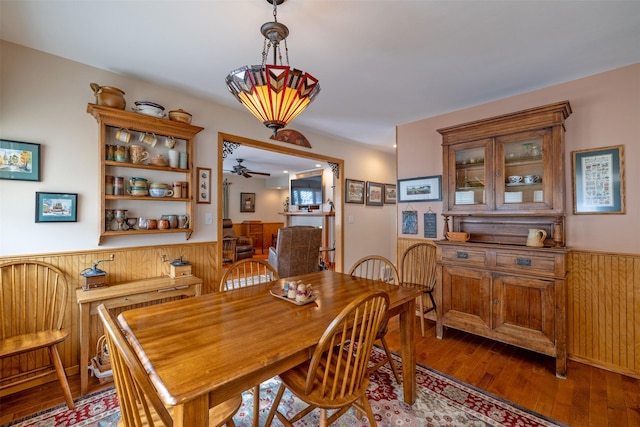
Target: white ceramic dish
pixel 149 111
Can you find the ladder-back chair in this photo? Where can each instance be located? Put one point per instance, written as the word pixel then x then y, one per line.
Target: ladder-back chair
pixel 418 270
pixel 33 299
pixel 336 377
pixel 376 267
pixel 140 404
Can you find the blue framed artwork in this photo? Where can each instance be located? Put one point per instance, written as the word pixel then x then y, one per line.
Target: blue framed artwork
pixel 423 189
pixel 598 181
pixel 409 222
pixel 19 160
pixel 56 207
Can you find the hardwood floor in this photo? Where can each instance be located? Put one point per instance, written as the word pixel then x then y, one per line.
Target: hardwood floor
pixel 589 397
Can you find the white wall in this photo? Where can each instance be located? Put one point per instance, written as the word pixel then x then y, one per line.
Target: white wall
pixel 606 111
pixel 44 100
pixel 268 201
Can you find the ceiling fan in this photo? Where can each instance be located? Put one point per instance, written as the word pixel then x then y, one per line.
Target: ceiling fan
pixel 240 169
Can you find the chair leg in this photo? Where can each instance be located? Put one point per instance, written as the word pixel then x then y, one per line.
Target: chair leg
pixel 363 405
pixel 433 301
pixel 62 376
pixel 393 366
pixel 274 406
pixel 256 405
pixel 421 310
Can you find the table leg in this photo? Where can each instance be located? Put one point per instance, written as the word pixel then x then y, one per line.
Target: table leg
pixel 84 348
pixel 408 351
pixel 194 413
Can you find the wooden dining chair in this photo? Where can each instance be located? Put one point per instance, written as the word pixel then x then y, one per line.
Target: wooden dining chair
pixel 376 267
pixel 241 274
pixel 336 376
pixel 247 272
pixel 140 404
pixel 418 270
pixel 33 299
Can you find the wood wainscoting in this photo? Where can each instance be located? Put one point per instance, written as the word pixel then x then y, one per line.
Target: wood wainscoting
pixel 604 310
pixel 128 264
pixel 603 328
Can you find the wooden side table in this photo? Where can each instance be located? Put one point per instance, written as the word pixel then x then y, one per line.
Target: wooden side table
pixel 121 295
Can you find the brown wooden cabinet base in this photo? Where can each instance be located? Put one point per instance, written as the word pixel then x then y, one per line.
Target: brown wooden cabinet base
pixel 515 295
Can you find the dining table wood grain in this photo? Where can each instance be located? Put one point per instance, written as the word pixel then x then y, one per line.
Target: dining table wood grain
pixel 201 351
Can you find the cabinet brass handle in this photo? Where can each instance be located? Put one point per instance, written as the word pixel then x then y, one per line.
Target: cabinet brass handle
pixel 462 255
pixel 523 261
pixel 495 301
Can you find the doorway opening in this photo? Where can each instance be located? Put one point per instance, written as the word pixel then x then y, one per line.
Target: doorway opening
pixel 338 185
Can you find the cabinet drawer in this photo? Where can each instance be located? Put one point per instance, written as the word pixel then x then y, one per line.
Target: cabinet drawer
pixel 464 256
pixel 527 263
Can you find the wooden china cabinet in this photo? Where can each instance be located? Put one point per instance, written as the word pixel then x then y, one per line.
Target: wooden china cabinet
pixel 110 120
pixel 504 176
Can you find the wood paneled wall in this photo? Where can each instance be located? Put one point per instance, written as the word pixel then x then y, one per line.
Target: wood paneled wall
pixel 269 229
pixel 128 264
pixel 604 310
pixel 603 326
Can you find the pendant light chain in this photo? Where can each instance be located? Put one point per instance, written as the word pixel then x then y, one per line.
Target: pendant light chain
pixel 275 94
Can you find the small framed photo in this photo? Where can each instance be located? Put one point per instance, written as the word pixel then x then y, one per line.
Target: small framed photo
pixel 598 180
pixel 423 189
pixel 390 194
pixel 354 191
pixel 19 160
pixel 247 202
pixel 56 207
pixel 375 193
pixel 204 185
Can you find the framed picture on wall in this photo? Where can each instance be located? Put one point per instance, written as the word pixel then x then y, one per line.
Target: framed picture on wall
pixel 204 185
pixel 375 193
pixel 598 180
pixel 19 160
pixel 423 189
pixel 390 194
pixel 353 191
pixel 56 207
pixel 247 202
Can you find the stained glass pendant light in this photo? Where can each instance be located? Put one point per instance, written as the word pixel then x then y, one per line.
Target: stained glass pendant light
pixel 275 94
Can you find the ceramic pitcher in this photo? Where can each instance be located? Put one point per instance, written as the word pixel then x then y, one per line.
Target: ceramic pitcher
pixel 536 237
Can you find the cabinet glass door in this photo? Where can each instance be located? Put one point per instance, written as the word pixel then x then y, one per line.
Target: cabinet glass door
pixel 471 175
pixel 521 180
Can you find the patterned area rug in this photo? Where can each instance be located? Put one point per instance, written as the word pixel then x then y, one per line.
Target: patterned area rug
pixel 442 401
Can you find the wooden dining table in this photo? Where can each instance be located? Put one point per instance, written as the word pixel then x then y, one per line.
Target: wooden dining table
pixel 201 351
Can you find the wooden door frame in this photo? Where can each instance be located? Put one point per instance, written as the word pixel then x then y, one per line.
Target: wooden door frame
pixel 338 191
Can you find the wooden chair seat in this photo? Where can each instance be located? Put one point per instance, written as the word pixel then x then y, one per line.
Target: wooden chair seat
pixel 28 342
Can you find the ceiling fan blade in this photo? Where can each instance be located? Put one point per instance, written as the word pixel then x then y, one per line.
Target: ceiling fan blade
pixel 246 175
pixel 260 173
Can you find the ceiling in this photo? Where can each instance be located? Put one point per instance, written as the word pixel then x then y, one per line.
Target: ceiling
pixel 380 63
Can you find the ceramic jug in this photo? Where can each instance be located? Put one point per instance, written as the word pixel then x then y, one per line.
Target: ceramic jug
pixel 536 237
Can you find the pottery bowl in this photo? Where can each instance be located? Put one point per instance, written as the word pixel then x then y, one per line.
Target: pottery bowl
pixel 458 236
pixel 180 116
